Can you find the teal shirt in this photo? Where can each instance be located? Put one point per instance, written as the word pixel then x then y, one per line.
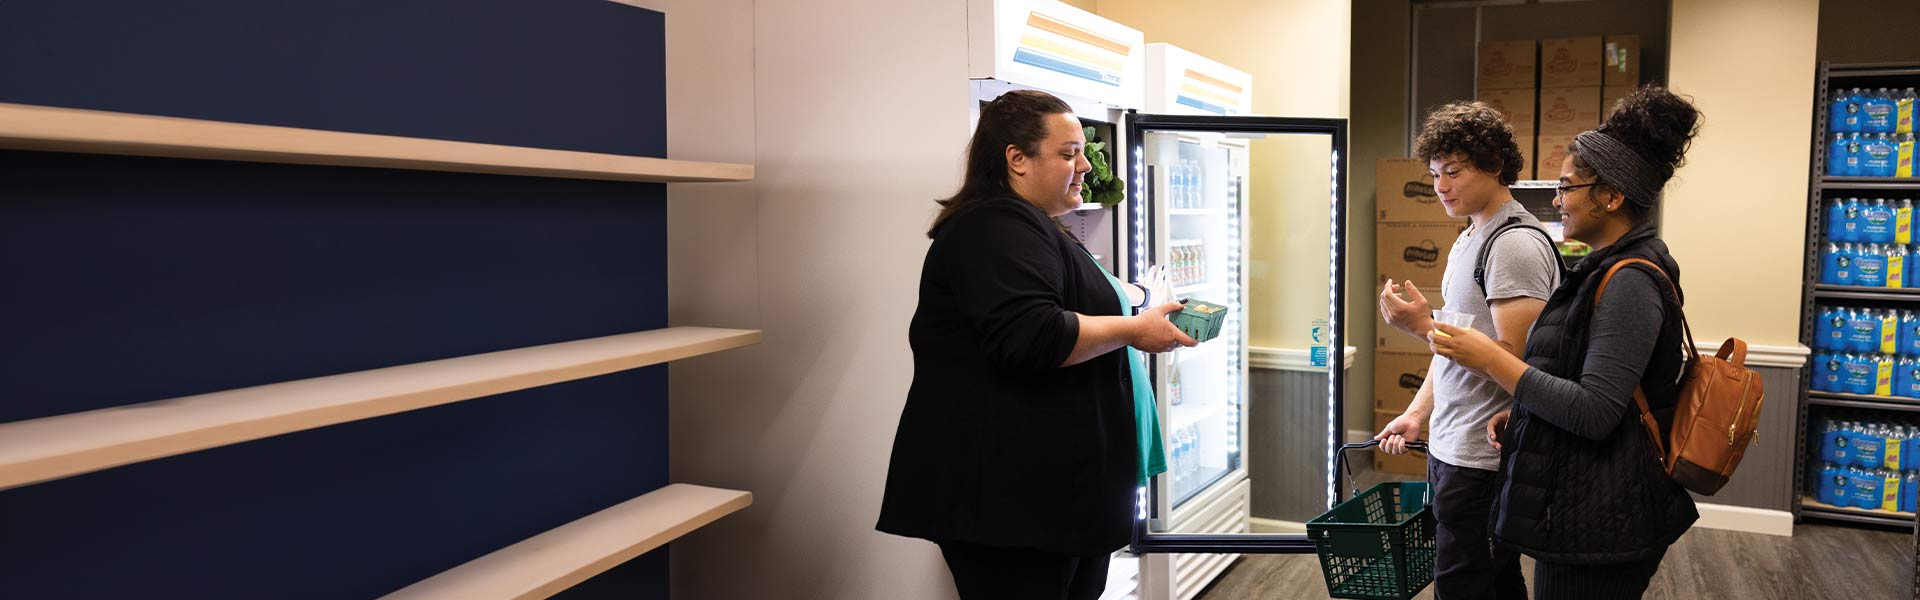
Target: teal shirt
pixel 1146 414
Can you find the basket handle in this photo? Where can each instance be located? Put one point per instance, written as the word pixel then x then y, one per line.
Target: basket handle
pixel 1353 488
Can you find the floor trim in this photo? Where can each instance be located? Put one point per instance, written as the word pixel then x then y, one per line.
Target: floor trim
pixel 1749 520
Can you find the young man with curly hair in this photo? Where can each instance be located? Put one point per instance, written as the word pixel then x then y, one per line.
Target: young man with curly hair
pixel 1474 157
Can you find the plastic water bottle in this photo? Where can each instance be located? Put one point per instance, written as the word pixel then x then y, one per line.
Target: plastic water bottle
pixel 1860 333
pixel 1850 120
pixel 1837 156
pixel 1850 228
pixel 1827 330
pixel 1877 155
pixel 1833 485
pixel 1877 215
pixel 1836 220
pixel 1878 107
pixel 1902 155
pixel 1870 266
pixel 1908 336
pixel 1903 110
pixel 1858 376
pixel 1902 220
pixel 1837 267
pixel 1909 491
pixel 1836 444
pixel 1837 110
pixel 1903 376
pixel 1867 443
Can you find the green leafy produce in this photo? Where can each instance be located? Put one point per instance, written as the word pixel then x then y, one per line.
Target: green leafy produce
pixel 1102 186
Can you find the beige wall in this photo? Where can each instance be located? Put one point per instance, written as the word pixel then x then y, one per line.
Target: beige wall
pixel 1297 54
pixel 852 137
pixel 1735 215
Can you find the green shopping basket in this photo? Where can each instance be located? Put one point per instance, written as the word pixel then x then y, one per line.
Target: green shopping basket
pixel 1378 544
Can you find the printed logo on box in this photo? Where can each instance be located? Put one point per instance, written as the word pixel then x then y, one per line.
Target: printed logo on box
pixel 1562 62
pixel 1413 381
pixel 1425 255
pixel 1420 192
pixel 1497 64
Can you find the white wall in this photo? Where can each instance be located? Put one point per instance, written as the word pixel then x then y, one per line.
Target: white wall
pixel 855 115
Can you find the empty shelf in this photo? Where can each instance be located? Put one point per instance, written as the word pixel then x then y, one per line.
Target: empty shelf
pixel 25 127
pixel 545 564
pixel 47 448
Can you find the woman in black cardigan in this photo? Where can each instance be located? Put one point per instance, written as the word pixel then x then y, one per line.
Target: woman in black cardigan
pixel 1018 451
pixel 1581 486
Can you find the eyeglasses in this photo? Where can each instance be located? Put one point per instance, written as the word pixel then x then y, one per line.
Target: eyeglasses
pixel 1560 191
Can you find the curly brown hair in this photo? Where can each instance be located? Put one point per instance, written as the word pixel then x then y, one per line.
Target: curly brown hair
pixel 1476 130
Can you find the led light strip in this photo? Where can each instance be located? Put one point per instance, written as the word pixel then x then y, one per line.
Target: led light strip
pixel 1333 264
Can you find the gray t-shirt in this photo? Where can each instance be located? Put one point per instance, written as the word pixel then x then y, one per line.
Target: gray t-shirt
pixel 1521 265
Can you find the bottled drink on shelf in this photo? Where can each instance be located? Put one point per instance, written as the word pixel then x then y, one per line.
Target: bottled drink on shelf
pixel 1904 107
pixel 1878 108
pixel 1902 155
pixel 1845 112
pixel 1840 160
pixel 1877 155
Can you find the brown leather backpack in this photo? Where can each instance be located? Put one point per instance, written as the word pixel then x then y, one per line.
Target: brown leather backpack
pixel 1718 414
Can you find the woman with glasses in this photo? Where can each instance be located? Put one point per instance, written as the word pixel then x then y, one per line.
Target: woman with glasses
pixel 1582 489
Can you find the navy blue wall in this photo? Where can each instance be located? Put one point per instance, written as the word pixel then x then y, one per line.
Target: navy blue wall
pixel 135 279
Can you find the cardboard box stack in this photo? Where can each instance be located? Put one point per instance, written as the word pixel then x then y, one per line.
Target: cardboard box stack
pixel 1504 79
pixel 1414 238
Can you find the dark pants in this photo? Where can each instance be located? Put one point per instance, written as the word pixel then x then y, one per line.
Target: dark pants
pixel 1593 582
pixel 1464 564
pixel 994 573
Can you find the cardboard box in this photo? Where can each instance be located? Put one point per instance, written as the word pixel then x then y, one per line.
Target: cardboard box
pixel 1506 65
pixel 1567 111
pixel 1526 153
pixel 1410 463
pixel 1552 152
pixel 1620 61
pixel 1386 338
pixel 1403 192
pixel 1571 62
pixel 1610 96
pixel 1397 376
pixel 1515 105
pixel 1417 252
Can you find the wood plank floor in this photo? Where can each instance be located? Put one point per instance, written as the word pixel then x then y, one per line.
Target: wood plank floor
pixel 1820 562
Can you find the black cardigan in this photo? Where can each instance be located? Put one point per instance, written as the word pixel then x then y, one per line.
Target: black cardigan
pixel 998 444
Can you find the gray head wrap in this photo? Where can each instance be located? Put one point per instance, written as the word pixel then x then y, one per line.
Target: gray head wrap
pixel 1621 167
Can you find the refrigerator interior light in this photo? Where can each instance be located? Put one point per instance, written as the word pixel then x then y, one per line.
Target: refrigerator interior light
pixel 1336 357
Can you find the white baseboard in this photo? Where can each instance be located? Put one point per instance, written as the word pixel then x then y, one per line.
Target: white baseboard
pixel 1783 357
pixel 1749 520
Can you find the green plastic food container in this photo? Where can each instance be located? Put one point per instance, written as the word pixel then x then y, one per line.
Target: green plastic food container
pixel 1200 320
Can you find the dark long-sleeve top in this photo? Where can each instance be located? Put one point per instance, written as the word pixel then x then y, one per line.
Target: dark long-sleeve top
pixel 1624 331
pixel 998 444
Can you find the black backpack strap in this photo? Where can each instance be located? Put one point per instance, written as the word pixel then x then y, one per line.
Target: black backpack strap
pixel 1486 251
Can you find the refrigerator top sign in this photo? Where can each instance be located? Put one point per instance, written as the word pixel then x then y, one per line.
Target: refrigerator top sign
pixel 1181 82
pixel 1049 45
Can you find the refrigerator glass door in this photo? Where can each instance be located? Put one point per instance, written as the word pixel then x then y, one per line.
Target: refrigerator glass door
pixel 1244 213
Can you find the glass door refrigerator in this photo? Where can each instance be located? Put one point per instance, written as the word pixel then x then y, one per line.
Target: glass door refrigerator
pixel 1244 212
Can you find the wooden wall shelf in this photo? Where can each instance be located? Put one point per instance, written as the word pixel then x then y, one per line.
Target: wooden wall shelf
pixel 53 129
pixel 49 448
pixel 560 558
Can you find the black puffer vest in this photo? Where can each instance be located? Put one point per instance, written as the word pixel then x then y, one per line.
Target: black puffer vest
pixel 1567 499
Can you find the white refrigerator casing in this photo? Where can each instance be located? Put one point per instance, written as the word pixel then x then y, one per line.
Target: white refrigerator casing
pixel 1051 46
pixel 1183 83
